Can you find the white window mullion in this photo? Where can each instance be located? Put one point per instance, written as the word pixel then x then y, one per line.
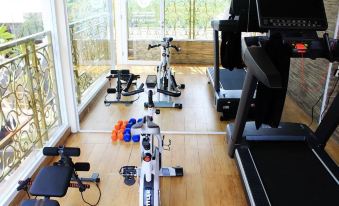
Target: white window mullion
pixel 64 65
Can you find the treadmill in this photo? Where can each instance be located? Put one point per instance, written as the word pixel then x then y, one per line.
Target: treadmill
pixel 227 82
pixel 286 165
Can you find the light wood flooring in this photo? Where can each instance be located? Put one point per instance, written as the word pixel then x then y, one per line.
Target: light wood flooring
pixel 210 176
pixel 198 113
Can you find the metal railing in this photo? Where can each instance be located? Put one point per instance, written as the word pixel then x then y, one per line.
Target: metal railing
pixel 29 104
pixel 191 19
pixel 90 51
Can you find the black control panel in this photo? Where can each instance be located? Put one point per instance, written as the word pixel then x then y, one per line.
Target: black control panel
pixel 305 24
pixel 292 14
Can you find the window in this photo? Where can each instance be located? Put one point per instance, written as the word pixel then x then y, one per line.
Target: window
pixel 29 104
pixel 191 19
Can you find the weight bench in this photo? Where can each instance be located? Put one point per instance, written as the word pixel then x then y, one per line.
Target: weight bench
pixel 124 77
pixel 53 181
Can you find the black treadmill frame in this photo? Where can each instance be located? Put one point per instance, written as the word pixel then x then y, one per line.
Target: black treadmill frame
pixel 260 67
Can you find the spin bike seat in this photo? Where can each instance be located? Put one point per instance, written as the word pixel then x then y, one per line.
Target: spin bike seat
pixel 40 202
pixel 52 181
pixel 149 128
pixel 151 124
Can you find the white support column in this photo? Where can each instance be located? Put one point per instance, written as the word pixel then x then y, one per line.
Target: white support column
pixel 63 63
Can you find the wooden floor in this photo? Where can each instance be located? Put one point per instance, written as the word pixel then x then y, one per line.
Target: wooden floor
pixel 198 113
pixel 210 176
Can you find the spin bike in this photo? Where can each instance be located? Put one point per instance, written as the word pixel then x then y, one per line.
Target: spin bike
pixel 151 169
pixel 165 77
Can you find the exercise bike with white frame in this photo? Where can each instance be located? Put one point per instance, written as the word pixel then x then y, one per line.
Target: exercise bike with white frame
pixel 151 148
pixel 165 77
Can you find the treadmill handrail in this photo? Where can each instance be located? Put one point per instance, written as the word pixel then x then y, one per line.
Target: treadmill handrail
pixel 226 25
pixel 257 60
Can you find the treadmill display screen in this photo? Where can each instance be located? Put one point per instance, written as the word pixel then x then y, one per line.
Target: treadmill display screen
pixel 292 14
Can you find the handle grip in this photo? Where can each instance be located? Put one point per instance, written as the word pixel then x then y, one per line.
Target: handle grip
pixel 139 90
pixel 176 48
pixel 23 184
pixel 152 46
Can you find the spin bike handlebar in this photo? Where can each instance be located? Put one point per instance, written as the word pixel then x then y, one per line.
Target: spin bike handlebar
pixel 158 45
pixel 175 47
pixel 153 46
pixel 131 93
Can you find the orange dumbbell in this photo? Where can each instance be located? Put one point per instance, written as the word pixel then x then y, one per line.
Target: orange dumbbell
pixel 120 135
pixel 117 127
pixel 120 122
pixel 114 136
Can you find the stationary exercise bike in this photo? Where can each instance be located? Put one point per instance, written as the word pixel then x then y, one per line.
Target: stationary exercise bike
pixel 165 77
pixel 125 80
pixel 151 164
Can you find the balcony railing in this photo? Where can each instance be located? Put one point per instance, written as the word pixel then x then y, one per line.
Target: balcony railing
pixel 90 51
pixel 29 104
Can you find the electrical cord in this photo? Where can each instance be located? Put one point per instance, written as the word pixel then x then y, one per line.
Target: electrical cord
pixel 329 96
pixel 327 101
pixel 83 199
pixel 312 112
pixel 29 197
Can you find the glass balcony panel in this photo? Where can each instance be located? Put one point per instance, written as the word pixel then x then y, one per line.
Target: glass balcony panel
pixel 90 43
pixel 29 104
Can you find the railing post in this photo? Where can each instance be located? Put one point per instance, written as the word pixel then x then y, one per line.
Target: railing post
pixel 40 99
pixel 193 20
pixel 33 103
pixel 190 21
pixel 53 74
pixel 75 63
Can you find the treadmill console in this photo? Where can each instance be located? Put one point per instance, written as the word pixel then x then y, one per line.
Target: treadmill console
pixel 292 14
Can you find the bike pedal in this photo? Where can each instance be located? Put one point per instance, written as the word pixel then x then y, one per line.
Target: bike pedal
pixel 128 171
pixel 129 180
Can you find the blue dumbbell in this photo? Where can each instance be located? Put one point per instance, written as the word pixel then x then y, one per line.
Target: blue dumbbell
pixel 136 138
pixel 140 120
pixel 127 137
pixel 127 131
pixel 132 121
pixel 129 125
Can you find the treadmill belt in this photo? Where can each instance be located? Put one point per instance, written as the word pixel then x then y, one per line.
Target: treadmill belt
pixel 229 80
pixel 293 175
pixel 232 80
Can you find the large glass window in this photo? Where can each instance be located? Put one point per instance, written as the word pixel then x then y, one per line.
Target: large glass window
pixel 89 26
pixel 143 20
pixel 191 19
pixel 29 104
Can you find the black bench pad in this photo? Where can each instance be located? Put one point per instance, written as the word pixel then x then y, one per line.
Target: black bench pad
pixel 52 181
pixel 43 202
